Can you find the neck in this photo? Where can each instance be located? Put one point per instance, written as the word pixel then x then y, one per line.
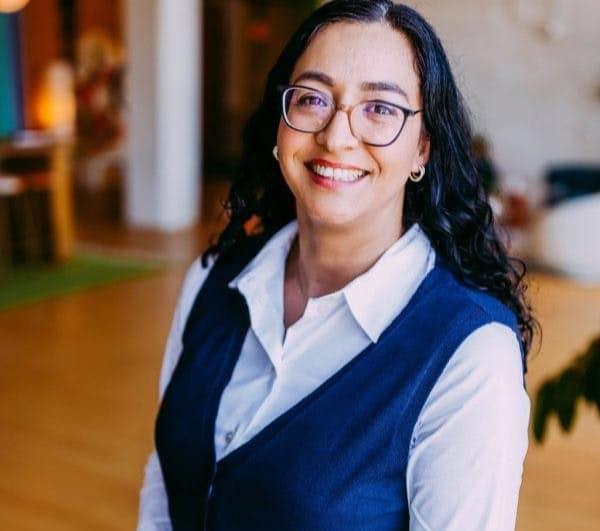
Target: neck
pixel 323 259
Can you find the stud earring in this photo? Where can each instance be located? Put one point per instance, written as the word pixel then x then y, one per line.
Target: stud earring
pixel 415 177
pixel 276 153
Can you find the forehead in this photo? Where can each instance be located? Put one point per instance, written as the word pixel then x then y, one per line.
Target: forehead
pixel 352 53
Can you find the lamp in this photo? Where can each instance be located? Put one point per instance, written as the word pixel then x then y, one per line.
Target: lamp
pixel 10 6
pixel 55 103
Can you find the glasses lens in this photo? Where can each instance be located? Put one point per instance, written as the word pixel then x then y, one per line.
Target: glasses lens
pixel 377 122
pixel 307 110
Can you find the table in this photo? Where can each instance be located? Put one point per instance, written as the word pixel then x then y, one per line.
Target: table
pixel 17 153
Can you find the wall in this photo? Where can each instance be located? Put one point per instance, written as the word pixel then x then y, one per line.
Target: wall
pixel 106 16
pixel 40 46
pixel 537 98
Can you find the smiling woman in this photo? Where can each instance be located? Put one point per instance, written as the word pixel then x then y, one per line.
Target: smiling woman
pixel 359 362
pixel 347 58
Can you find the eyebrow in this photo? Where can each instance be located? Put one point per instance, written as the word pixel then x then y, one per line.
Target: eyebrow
pixel 366 86
pixel 315 76
pixel 382 86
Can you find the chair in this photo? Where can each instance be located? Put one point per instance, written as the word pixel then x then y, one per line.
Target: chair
pixel 564 236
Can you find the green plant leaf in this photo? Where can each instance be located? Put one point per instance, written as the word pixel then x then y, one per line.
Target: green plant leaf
pixel 591 377
pixel 542 410
pixel 560 394
pixel 566 392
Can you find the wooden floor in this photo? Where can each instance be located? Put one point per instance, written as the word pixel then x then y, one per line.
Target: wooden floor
pixel 78 395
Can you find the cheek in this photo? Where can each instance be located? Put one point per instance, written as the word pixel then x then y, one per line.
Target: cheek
pixel 393 165
pixel 398 160
pixel 289 141
pixel 398 167
pixel 293 147
pixel 281 129
pixel 288 145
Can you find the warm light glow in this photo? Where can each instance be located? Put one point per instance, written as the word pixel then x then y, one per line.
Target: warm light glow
pixel 10 6
pixel 55 103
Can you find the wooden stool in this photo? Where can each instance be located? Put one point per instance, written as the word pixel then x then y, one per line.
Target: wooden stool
pixel 25 224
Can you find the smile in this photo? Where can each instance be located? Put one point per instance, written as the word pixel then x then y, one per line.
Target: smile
pixel 336 174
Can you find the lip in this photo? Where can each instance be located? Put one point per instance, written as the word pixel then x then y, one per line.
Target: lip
pixel 330 184
pixel 338 165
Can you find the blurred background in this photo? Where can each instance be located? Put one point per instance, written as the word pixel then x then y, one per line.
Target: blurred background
pixel 120 125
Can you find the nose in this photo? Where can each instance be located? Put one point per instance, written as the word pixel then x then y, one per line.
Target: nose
pixel 337 136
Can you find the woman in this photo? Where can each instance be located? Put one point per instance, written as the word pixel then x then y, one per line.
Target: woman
pixel 359 363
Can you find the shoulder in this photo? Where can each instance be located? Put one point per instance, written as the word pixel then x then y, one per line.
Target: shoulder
pixel 471 302
pixel 480 393
pixel 192 283
pixel 487 309
pixel 488 358
pixel 194 279
pixel 480 390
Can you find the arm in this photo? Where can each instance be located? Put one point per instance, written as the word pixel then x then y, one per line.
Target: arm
pixel 154 509
pixel 468 446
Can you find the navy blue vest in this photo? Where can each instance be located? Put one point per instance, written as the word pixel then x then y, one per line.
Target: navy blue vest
pixel 337 459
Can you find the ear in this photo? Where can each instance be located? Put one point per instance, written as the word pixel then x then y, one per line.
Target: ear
pixel 424 147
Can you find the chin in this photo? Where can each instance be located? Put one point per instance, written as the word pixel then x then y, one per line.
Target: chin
pixel 333 219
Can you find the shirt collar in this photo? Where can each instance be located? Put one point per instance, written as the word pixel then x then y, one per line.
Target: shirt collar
pixel 377 296
pixel 374 298
pixel 270 259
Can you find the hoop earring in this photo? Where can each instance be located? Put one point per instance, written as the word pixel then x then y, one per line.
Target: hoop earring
pixel 276 153
pixel 415 177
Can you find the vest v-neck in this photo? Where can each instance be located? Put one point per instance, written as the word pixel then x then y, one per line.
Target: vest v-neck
pixel 245 450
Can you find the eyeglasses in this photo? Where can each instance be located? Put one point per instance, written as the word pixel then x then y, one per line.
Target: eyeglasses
pixel 375 122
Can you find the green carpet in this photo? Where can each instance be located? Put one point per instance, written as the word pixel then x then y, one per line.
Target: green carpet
pixel 32 284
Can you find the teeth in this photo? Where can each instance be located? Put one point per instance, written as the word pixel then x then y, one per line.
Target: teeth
pixel 338 174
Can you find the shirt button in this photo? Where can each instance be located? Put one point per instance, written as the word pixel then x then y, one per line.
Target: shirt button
pixel 229 436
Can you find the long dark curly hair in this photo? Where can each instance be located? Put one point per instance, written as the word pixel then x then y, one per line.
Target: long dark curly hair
pixel 450 204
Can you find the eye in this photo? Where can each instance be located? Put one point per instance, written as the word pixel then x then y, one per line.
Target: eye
pixel 381 109
pixel 311 99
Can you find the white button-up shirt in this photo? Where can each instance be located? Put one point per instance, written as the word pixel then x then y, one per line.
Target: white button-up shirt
pixel 469 442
